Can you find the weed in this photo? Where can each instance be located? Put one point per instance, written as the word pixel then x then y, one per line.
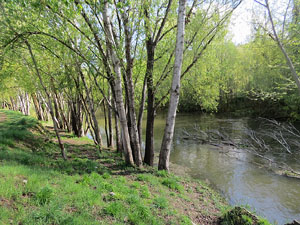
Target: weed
pixel 162 173
pixel 145 193
pixel 136 185
pixel 263 221
pixel 143 177
pixel 44 195
pixel 106 175
pixel 241 216
pixel 160 202
pixel 140 214
pixel 172 184
pixel 185 221
pixel 116 209
pixel 133 199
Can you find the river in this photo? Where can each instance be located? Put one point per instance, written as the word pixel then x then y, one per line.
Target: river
pixel 234 175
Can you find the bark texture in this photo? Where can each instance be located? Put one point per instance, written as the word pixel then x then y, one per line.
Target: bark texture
pixel 118 87
pixel 164 155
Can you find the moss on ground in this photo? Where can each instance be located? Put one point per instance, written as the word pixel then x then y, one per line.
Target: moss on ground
pixel 38 187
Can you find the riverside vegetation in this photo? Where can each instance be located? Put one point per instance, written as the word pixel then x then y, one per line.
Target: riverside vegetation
pixel 38 187
pixel 69 59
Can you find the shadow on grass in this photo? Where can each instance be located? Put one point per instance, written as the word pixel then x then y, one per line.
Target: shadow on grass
pixel 108 162
pixel 19 144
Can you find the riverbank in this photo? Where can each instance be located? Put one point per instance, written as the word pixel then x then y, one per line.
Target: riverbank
pixel 38 187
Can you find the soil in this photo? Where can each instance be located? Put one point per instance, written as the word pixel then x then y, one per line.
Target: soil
pixel 2 117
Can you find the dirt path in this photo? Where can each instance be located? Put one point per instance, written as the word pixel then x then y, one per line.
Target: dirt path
pixel 2 117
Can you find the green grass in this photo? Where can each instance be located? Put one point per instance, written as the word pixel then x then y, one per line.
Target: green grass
pixel 38 187
pixel 241 216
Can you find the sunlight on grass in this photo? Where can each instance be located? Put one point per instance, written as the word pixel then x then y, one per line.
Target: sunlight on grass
pixel 38 187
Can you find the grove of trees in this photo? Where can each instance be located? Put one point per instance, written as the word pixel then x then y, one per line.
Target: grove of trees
pixel 69 59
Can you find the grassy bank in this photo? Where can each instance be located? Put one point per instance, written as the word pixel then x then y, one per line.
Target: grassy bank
pixel 38 187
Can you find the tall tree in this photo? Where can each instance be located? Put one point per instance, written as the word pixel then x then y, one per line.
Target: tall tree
pixel 280 44
pixel 164 156
pixel 152 39
pixel 117 84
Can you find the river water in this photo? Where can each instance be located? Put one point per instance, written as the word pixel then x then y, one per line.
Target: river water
pixel 234 175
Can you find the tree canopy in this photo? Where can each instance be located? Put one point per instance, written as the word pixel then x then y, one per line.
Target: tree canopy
pixel 73 58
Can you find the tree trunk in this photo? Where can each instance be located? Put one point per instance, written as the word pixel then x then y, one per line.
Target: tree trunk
pixel 13 104
pixel 49 102
pixel 57 112
pixel 149 148
pixel 27 104
pixel 152 39
pixel 118 136
pixel 110 128
pixel 21 104
pixel 43 106
pixel 92 110
pixel 76 116
pixel 118 87
pixel 105 123
pixel 141 111
pixel 60 101
pixel 164 155
pixel 134 134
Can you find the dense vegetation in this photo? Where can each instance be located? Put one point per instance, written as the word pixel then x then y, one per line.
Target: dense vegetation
pixel 249 79
pixel 71 58
pixel 63 61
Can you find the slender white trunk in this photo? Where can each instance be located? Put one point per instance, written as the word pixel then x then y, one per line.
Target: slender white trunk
pixel 21 105
pixel 118 87
pixel 134 134
pixel 90 102
pixel 27 104
pixel 165 150
pixel 110 127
